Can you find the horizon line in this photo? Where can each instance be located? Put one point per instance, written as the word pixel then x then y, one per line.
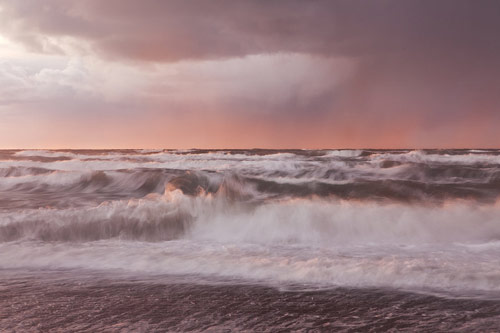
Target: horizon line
pixel 260 148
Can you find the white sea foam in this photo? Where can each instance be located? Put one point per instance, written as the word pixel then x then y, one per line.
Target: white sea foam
pixel 50 178
pixel 417 156
pixel 449 269
pixel 310 241
pixel 345 153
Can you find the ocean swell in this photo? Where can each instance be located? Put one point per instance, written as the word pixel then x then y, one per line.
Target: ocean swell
pixel 400 219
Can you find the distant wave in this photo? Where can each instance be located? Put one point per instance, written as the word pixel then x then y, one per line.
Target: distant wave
pixel 405 176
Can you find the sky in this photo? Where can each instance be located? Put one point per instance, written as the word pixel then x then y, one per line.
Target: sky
pixel 249 74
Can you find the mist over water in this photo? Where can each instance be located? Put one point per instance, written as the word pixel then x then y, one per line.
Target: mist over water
pixel 425 222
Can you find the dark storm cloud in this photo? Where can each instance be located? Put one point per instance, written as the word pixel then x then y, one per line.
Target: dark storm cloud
pixel 175 30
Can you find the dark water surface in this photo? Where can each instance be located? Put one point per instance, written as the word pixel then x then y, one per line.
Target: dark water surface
pixel 255 240
pixel 53 302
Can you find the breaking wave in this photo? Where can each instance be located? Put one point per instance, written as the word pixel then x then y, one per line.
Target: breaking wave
pixel 216 215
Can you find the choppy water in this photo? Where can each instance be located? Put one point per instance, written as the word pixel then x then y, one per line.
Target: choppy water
pixel 344 239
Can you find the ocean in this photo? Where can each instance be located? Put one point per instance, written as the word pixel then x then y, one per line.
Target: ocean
pixel 249 240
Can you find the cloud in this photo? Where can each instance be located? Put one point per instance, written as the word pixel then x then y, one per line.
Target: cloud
pixel 175 30
pixel 379 72
pixel 19 85
pixel 88 99
pixel 14 84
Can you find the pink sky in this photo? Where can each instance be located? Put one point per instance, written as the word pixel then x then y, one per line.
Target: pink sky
pixel 244 74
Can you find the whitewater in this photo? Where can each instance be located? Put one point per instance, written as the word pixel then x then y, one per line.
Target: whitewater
pixel 410 224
